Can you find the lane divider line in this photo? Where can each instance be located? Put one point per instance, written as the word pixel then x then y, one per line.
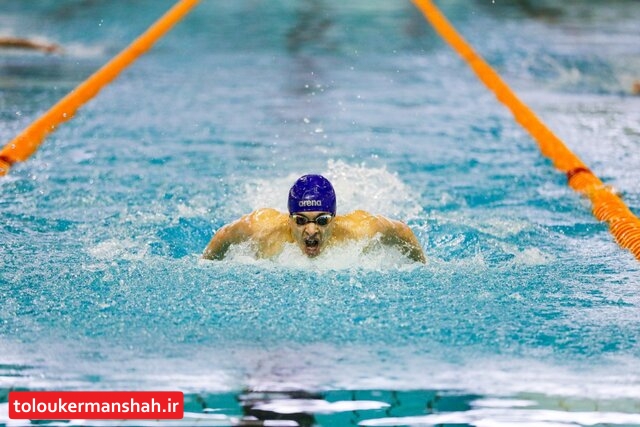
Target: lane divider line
pixel 28 141
pixel 607 206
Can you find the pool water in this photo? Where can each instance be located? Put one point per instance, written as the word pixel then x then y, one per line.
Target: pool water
pixel 526 313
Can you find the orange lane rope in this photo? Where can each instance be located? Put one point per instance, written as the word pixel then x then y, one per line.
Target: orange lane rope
pixel 27 142
pixel 607 206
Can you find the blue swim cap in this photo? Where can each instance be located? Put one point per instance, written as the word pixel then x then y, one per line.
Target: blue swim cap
pixel 312 193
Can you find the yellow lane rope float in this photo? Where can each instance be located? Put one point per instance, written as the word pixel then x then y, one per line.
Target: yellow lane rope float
pixel 27 142
pixel 607 206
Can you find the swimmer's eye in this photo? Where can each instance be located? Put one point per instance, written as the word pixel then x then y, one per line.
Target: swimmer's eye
pixel 322 220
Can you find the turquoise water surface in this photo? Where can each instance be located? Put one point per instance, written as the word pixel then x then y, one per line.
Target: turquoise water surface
pixel 527 312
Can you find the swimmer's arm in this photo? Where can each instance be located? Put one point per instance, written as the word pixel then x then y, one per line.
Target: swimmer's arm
pixel 398 234
pixel 230 234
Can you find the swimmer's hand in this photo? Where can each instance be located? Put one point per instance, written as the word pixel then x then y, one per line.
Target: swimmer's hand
pixel 399 235
pixel 228 235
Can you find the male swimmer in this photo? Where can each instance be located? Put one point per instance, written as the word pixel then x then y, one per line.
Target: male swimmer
pixel 312 224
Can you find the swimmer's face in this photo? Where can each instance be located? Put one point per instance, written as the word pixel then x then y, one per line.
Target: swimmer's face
pixel 311 231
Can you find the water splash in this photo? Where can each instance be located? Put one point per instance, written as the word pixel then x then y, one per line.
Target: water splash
pixel 357 187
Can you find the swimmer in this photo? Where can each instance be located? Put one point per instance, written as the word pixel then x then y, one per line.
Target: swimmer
pixel 20 43
pixel 312 224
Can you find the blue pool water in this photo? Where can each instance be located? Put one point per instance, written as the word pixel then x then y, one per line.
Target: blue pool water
pixel 527 312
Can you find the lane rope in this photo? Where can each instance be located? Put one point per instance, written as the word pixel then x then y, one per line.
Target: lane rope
pixel 607 206
pixel 28 141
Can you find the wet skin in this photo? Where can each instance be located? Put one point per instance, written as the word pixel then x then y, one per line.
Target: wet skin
pixel 270 230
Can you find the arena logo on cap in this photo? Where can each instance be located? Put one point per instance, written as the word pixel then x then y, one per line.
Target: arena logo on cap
pixel 307 203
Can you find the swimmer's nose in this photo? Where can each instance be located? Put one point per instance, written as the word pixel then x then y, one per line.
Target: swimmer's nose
pixel 311 229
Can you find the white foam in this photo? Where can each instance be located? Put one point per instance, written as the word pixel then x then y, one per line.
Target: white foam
pixel 367 255
pixel 319 406
pixel 530 256
pixel 511 417
pixel 190 211
pixel 118 249
pixel 79 50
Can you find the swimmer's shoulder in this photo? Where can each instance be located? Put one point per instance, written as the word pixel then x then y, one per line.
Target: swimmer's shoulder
pixel 357 224
pixel 355 217
pixel 267 215
pixel 269 230
pixel 266 222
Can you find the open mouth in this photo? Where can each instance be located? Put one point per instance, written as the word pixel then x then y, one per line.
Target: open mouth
pixel 311 243
pixel 312 246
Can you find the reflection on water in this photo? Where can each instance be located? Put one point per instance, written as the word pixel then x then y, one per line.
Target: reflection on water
pixel 278 407
pixel 533 9
pixel 377 408
pixel 312 24
pixel 301 408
